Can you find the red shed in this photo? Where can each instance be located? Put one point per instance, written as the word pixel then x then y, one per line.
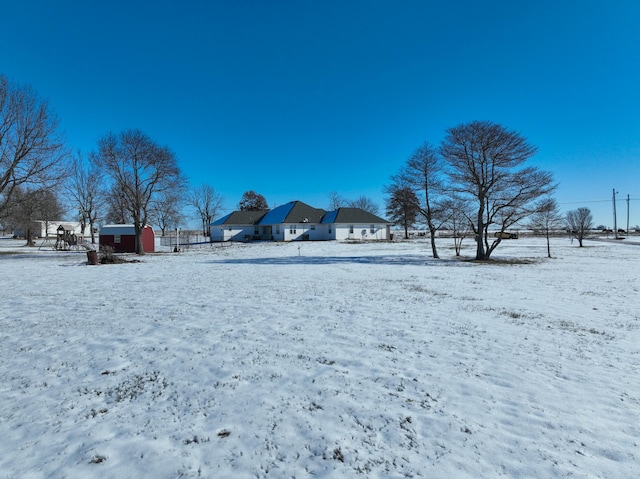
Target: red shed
pixel 122 238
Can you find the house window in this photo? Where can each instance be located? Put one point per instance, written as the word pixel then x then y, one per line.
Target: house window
pixel 313 227
pixel 277 229
pixel 116 238
pixel 256 230
pixel 351 229
pixel 329 229
pixel 372 229
pixel 292 229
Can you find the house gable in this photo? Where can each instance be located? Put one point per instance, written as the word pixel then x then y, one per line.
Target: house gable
pixel 293 212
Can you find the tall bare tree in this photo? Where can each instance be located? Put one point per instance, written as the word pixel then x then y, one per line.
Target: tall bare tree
pixel 425 171
pixel 547 219
pixel 86 188
pixel 32 151
pixel 486 162
pixel 207 203
pixel 140 170
pixel 580 222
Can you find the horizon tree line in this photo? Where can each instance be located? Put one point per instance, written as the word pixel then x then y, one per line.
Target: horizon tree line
pixel 474 179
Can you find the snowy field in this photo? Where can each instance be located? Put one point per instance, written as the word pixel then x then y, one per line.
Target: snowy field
pixel 314 360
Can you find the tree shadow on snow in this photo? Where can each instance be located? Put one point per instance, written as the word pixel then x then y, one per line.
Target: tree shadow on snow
pixel 407 260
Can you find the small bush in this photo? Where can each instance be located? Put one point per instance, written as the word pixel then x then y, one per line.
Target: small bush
pixel 108 256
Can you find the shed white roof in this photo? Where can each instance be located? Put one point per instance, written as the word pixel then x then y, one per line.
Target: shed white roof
pixel 119 229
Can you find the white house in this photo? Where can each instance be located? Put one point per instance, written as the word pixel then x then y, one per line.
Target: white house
pixel 297 221
pixel 49 229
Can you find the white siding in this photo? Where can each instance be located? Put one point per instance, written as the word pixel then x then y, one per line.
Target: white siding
pixel 231 233
pixel 303 231
pixel 361 232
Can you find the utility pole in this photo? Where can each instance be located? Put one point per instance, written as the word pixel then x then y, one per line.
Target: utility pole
pixel 615 221
pixel 627 214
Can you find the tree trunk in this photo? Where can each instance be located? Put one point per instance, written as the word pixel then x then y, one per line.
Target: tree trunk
pixel 139 246
pixel 482 243
pixel 480 238
pixel 457 244
pixel 548 246
pixel 432 231
pixel 93 235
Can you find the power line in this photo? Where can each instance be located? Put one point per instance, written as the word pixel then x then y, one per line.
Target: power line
pixel 594 201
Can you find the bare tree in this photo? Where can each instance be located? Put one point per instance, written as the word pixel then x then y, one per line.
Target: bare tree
pixel 458 214
pixel 364 203
pixel 252 201
pixel 32 151
pixel 207 203
pixel 579 222
pixel 547 219
pixel 86 188
pixel 140 170
pixel 165 210
pixel 336 201
pixel 403 205
pixel 486 168
pixel 424 171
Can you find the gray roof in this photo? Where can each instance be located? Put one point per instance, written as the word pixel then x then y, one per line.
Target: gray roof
pixel 241 218
pixel 299 212
pixel 293 212
pixel 353 216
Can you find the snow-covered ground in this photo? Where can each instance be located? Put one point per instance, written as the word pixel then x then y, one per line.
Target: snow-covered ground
pixel 322 360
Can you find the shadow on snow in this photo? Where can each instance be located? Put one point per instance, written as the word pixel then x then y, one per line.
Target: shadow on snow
pixel 410 260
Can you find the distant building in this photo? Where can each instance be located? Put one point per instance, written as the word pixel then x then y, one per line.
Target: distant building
pixel 48 229
pixel 297 221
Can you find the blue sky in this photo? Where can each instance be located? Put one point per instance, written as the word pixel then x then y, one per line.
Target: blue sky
pixel 296 99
